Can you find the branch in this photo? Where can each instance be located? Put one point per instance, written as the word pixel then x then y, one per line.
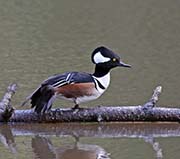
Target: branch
pixel 147 112
pixel 6 109
pixel 99 114
pixel 154 99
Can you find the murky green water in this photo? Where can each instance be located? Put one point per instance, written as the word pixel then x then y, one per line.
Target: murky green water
pixel 90 141
pixel 41 38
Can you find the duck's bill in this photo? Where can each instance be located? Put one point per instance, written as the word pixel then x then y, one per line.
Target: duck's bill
pixel 122 64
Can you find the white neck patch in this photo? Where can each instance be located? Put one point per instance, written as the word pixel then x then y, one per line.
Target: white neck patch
pixel 99 58
pixel 105 81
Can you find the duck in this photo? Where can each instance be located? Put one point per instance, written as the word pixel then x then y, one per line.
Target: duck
pixel 78 87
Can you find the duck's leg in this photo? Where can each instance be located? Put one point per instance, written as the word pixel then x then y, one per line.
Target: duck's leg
pixel 76 106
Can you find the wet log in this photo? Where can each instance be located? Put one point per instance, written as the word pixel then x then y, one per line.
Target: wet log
pixel 142 113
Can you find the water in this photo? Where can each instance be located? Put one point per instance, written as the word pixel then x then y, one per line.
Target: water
pixel 41 38
pixel 88 141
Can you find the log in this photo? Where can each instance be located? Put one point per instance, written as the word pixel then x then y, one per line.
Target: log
pixel 142 113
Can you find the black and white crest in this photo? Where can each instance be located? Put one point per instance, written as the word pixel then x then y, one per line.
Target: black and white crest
pixel 102 55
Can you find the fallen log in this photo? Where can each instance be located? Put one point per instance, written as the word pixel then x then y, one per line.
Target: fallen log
pixel 147 112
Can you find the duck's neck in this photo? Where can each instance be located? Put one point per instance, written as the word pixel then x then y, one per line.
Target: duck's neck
pixel 100 71
pixel 102 75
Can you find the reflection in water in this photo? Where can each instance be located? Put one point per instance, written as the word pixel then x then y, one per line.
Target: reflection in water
pixel 108 130
pixel 44 149
pixel 7 138
pixel 43 133
pixel 156 147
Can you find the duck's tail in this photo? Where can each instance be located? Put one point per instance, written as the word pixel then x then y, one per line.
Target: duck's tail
pixel 41 99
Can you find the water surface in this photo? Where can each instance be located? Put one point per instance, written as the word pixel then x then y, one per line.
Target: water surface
pixel 90 141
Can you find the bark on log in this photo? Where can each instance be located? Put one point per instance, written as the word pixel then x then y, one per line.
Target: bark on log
pixel 147 112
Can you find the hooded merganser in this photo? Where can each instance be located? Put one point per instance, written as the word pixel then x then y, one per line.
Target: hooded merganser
pixel 78 87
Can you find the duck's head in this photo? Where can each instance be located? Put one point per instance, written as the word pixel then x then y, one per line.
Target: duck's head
pixel 106 58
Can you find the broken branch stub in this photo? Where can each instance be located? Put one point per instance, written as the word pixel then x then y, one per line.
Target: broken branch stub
pixel 154 99
pixel 6 109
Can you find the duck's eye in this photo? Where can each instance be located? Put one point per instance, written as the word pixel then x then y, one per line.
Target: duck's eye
pixel 114 59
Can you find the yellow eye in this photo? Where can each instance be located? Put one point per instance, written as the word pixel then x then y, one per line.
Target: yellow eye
pixel 114 59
